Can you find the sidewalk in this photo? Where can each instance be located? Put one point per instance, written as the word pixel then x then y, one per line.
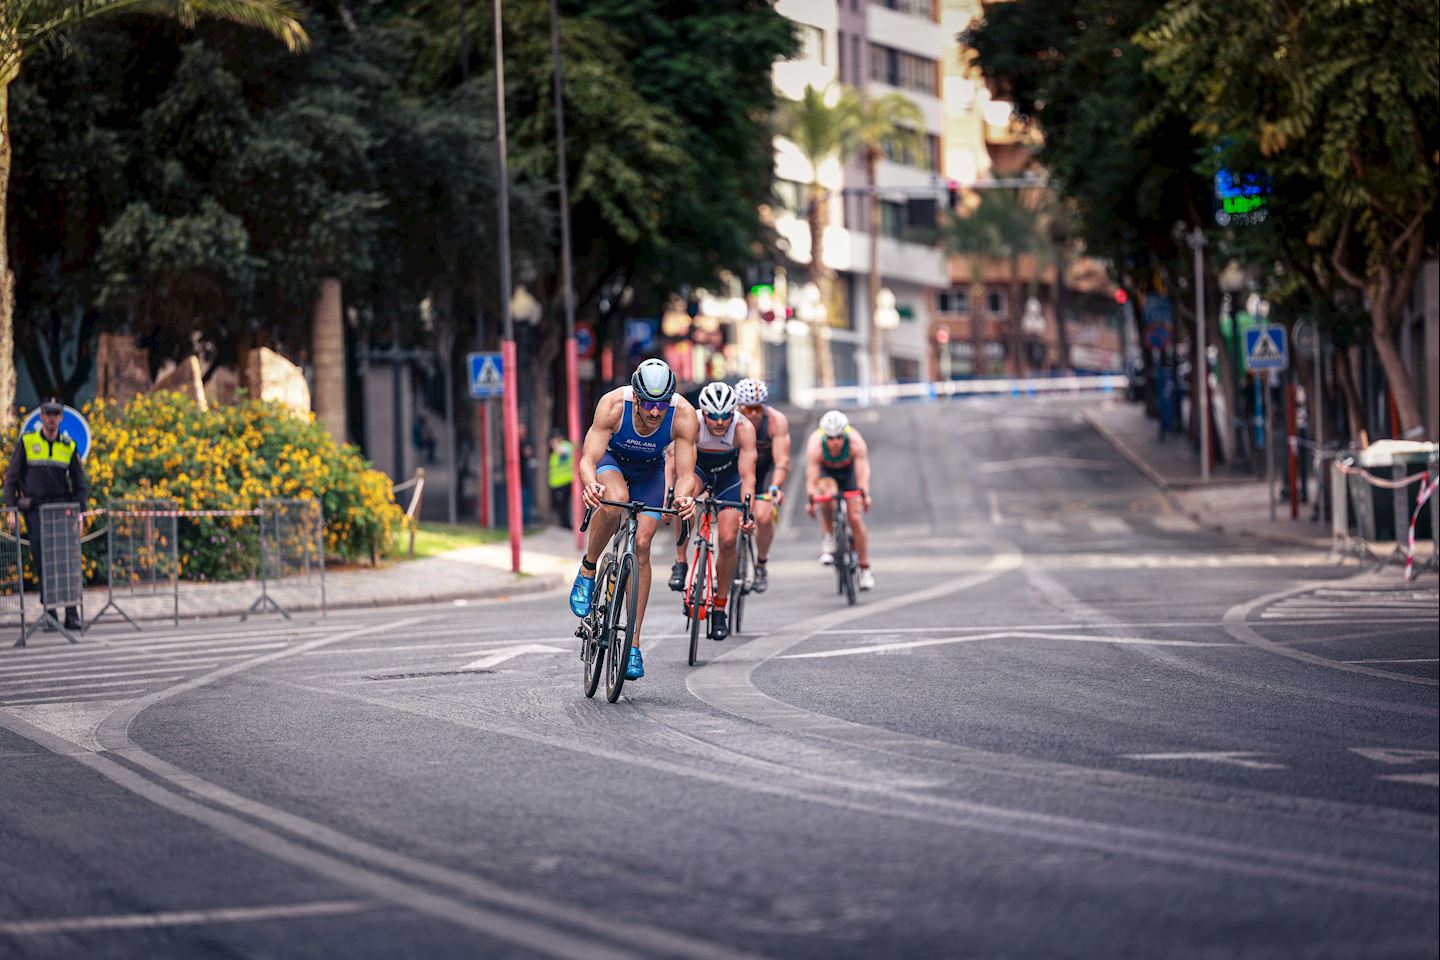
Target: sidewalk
pixel 548 560
pixel 1238 505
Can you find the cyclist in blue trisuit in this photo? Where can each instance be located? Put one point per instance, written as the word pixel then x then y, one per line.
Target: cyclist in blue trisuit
pixel 624 459
pixel 724 465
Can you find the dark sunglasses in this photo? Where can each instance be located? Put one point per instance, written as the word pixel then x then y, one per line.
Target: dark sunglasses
pixel 720 417
pixel 654 406
pixel 753 408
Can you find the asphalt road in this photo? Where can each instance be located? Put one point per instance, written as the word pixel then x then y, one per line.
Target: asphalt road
pixel 1068 723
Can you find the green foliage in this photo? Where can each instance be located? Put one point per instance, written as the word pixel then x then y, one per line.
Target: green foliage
pixel 1122 155
pixel 231 458
pixel 819 128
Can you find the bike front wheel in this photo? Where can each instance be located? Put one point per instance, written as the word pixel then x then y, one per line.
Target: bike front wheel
pixel 695 606
pixel 592 654
pixel 620 630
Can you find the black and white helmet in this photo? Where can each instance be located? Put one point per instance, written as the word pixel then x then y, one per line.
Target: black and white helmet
pixel 751 393
pixel 653 381
pixel 717 399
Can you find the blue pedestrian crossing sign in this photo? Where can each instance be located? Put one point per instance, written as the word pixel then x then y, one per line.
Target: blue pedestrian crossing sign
pixel 1265 348
pixel 487 376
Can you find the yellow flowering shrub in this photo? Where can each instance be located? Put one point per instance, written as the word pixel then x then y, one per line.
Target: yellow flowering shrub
pixel 162 445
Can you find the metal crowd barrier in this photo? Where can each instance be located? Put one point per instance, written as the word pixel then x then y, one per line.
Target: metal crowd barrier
pixel 142 553
pixel 884 394
pixel 12 568
pixel 62 582
pixel 292 547
pixel 1350 495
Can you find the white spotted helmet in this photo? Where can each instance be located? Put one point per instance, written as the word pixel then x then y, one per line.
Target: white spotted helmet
pixel 717 399
pixel 751 393
pixel 833 423
pixel 653 381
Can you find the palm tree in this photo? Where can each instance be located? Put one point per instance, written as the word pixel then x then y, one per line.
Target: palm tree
pixel 1004 227
pixel 894 121
pixel 821 130
pixel 26 25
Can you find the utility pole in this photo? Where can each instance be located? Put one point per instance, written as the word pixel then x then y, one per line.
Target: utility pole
pixel 515 507
pixel 572 356
pixel 1200 360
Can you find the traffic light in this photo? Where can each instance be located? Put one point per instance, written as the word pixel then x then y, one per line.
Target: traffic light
pixel 952 190
pixel 942 336
pixel 1121 297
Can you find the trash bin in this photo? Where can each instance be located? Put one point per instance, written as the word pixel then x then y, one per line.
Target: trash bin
pixel 1376 507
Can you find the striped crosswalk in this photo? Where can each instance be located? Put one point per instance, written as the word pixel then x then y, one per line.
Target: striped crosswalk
pixel 120 667
pixel 1166 525
pixel 1359 604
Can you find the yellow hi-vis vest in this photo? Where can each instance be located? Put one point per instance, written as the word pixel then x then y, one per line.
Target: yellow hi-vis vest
pixel 41 452
pixel 562 465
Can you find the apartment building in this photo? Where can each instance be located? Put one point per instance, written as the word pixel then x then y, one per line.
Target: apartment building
pixel 879 46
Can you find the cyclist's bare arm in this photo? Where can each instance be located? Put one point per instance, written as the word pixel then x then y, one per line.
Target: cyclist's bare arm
pixel 745 441
pixel 812 465
pixel 685 430
pixel 780 449
pixel 597 440
pixel 861 452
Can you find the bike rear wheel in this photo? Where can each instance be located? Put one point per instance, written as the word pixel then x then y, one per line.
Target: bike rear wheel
pixel 696 601
pixel 592 654
pixel 842 555
pixel 620 630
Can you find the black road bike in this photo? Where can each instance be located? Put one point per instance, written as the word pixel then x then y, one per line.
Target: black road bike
pixel 608 632
pixel 847 561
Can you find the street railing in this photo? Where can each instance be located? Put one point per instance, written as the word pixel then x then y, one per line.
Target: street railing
pixel 931 392
pixel 412 509
pixel 143 560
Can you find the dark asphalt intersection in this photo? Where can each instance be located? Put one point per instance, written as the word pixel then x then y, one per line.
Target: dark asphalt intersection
pixel 1068 723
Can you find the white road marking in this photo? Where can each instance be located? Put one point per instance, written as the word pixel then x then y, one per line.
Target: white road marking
pixel 1174 523
pixel 496 657
pixel 1231 757
pixel 1422 779
pixel 74 696
pixel 140 670
pixel 996 635
pixel 1391 660
pixel 1041 525
pixel 1032 463
pixel 182 917
pixel 996 516
pixel 1396 756
pixel 1109 525
pixel 76 685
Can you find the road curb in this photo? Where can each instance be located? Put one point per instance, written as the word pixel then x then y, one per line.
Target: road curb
pixel 1168 491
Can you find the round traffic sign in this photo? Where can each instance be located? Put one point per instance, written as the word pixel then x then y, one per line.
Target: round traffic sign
pixel 72 421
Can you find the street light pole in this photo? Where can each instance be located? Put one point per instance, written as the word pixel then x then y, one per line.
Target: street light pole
pixel 572 358
pixel 507 347
pixel 1201 361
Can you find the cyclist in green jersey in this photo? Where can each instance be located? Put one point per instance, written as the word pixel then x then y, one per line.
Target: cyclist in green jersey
pixel 837 455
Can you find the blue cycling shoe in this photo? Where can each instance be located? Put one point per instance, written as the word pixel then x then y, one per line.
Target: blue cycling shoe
pixel 582 594
pixel 635 668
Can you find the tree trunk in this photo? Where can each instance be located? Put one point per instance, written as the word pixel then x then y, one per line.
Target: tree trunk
pixel 1388 294
pixel 818 217
pixel 327 356
pixel 1345 361
pixel 879 375
pixel 1062 335
pixel 1017 333
pixel 976 303
pixel 7 277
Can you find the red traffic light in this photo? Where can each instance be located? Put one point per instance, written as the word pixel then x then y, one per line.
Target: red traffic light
pixel 1121 297
pixel 942 336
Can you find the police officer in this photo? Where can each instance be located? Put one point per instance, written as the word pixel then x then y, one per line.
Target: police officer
pixel 46 468
pixel 562 473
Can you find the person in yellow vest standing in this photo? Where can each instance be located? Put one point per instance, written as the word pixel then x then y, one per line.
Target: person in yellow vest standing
pixel 562 474
pixel 46 468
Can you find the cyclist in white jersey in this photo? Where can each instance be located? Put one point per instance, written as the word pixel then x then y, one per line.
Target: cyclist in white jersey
pixel 725 465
